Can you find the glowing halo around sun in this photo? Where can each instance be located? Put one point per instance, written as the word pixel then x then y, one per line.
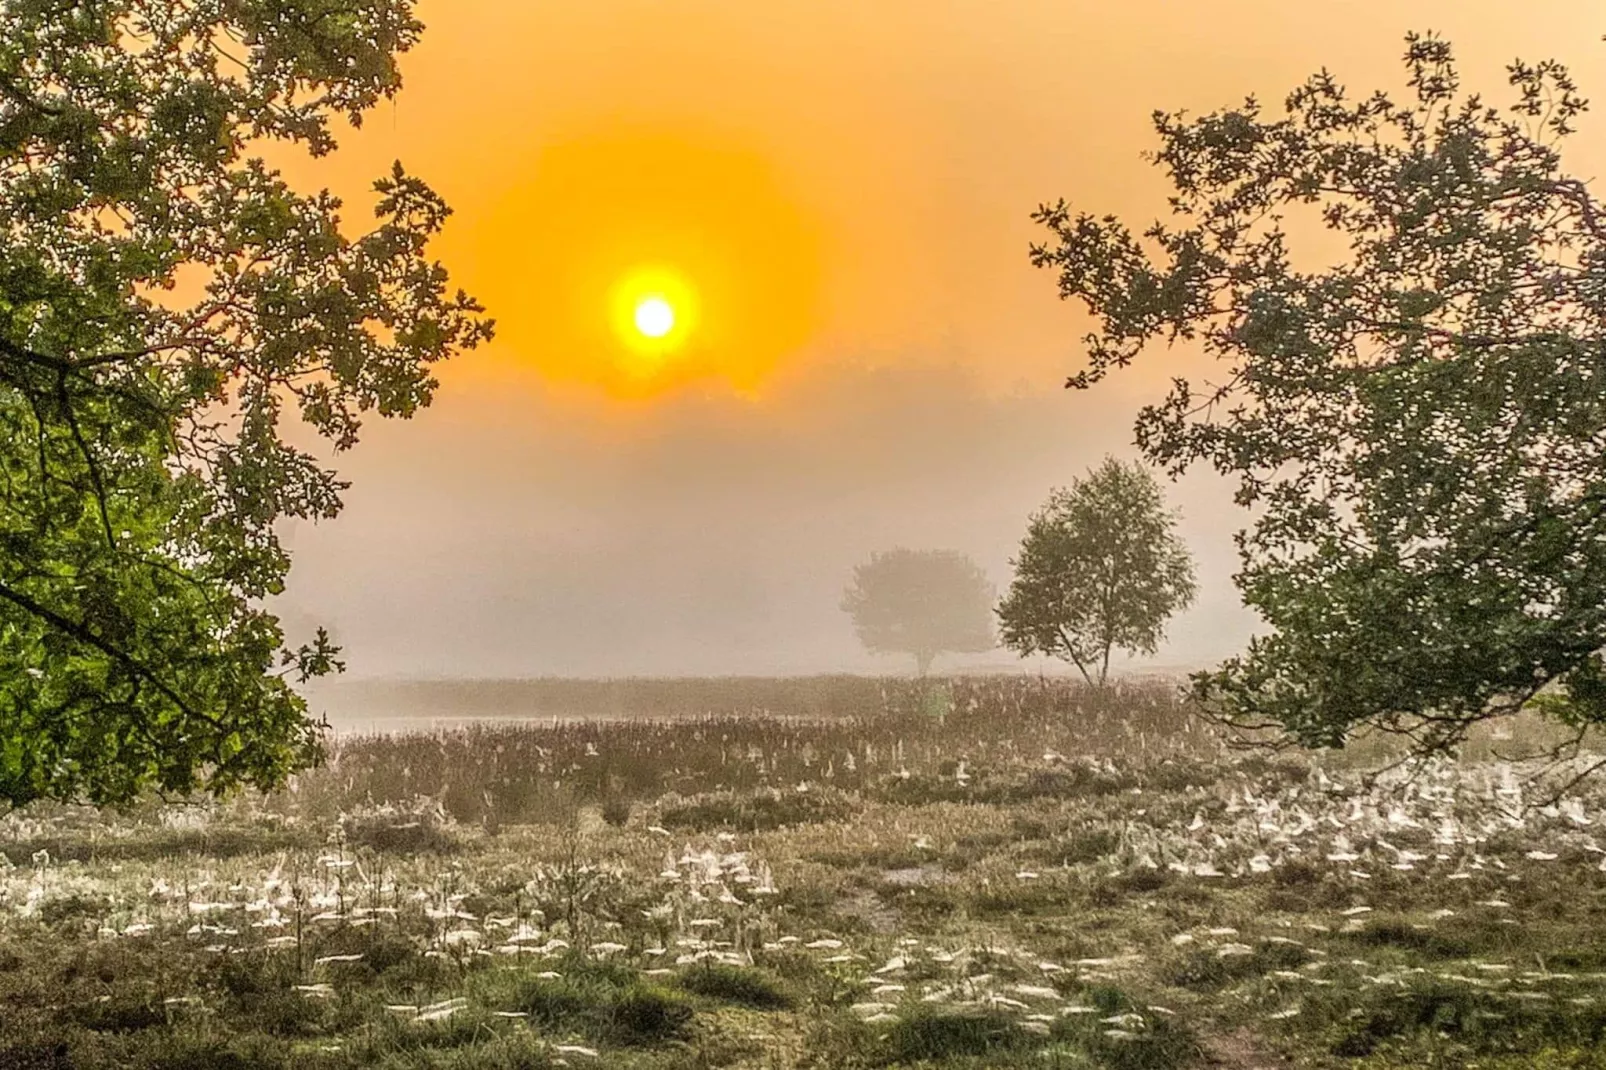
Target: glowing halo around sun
pixel 654 314
pixel 645 258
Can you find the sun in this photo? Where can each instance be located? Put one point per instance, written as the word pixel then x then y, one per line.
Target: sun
pixel 655 317
pixel 641 259
pixel 655 314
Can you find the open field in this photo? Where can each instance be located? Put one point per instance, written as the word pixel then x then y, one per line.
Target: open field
pixel 996 873
pixel 368 706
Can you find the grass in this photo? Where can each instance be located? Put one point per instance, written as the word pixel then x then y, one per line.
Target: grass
pixel 609 1011
pixel 752 811
pixel 743 986
pixel 927 1035
pixel 823 877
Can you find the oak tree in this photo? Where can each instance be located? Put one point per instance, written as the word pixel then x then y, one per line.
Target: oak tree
pixel 167 302
pixel 1393 316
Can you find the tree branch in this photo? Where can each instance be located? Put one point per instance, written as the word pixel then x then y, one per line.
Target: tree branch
pixel 86 635
pixel 89 458
pixel 13 92
pixel 44 360
pixel 1575 191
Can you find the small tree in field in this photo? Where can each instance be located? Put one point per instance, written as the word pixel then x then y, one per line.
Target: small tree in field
pixel 1100 569
pixel 1419 423
pixel 921 602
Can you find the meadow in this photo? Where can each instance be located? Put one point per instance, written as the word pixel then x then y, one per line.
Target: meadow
pixel 979 872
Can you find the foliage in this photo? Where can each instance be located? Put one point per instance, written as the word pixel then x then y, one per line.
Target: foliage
pixel 921 602
pixel 1100 569
pixel 1417 424
pixel 166 302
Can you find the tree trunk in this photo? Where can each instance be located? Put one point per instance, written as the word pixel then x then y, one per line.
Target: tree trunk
pixel 1068 653
pixel 923 659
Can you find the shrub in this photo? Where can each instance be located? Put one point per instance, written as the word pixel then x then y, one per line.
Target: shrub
pixel 754 811
pixel 1087 845
pixel 74 908
pixel 643 1015
pixel 259 989
pixel 939 1034
pixel 735 984
pixel 1481 1022
pixel 36 1055
pixel 120 1014
pixel 1202 969
pixel 1159 1045
pixel 616 811
pixel 1392 932
pixel 605 1005
pixel 409 829
pixel 388 952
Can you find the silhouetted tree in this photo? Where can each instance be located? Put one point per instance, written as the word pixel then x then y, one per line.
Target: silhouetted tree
pixel 921 602
pixel 1419 425
pixel 164 298
pixel 1100 569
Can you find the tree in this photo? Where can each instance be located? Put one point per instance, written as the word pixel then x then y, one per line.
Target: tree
pixel 1405 304
pixel 1100 569
pixel 921 602
pixel 166 300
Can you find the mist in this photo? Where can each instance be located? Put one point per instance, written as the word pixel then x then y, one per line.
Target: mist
pixel 533 521
pixel 528 533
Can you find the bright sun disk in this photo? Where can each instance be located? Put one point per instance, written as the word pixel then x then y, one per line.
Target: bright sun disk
pixel 655 312
pixel 654 317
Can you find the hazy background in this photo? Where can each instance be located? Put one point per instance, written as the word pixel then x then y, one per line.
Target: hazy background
pixel 849 185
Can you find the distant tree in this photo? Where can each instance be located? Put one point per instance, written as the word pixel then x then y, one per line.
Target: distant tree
pixel 166 300
pixel 921 602
pixel 1419 423
pixel 1101 569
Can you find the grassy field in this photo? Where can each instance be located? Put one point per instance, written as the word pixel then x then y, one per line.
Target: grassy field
pixel 988 873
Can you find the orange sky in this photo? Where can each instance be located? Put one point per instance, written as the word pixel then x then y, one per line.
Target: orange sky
pixel 844 174
pixel 843 183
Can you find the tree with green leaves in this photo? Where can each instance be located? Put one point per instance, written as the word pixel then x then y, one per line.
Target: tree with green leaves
pixel 167 301
pixel 921 602
pixel 1101 569
pixel 1401 305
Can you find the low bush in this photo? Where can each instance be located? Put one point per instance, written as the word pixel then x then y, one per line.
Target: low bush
pixel 753 811
pixel 1478 1022
pixel 605 1005
pixel 743 986
pixel 414 828
pixel 941 1034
